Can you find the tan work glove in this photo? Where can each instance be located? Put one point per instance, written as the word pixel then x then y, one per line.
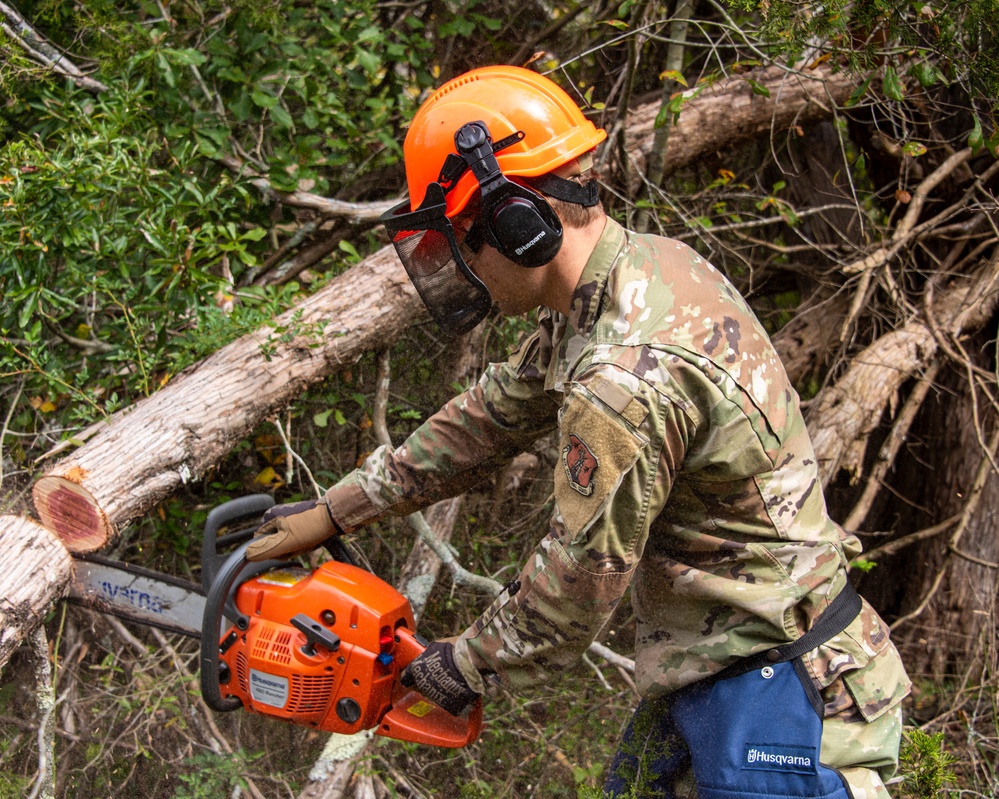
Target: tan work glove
pixel 292 528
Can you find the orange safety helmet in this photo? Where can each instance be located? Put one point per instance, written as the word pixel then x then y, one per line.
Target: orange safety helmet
pixel 507 100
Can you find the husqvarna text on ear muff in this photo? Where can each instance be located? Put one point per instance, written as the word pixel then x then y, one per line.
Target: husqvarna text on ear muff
pixel 516 221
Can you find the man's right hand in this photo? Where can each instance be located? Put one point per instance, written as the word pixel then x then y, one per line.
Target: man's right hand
pixel 292 528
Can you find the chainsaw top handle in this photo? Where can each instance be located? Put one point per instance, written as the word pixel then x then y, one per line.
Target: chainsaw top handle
pixel 248 510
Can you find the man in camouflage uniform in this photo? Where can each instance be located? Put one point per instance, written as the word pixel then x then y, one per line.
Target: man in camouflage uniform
pixel 685 472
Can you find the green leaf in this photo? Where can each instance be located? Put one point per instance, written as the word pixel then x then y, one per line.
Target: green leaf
pixel 368 61
pixel 281 117
pixel 857 94
pixel 322 419
pixel 976 139
pixel 892 85
pixel 188 57
pixel 927 75
pixel 263 99
pixel 914 149
pixel 676 103
pixel 758 88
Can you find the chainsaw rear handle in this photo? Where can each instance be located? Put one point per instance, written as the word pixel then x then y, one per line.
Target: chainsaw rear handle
pixel 413 717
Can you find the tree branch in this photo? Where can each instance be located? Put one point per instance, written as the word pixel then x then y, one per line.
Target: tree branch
pixel 356 213
pixel 41 51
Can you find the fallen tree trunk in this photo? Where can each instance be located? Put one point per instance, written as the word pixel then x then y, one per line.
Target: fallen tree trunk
pixel 732 109
pixel 149 450
pixel 845 413
pixel 35 570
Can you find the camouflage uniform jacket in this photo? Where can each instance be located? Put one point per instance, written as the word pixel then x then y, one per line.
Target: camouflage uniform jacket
pixel 685 472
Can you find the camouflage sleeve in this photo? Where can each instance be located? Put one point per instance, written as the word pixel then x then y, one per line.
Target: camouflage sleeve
pixel 621 443
pixel 458 446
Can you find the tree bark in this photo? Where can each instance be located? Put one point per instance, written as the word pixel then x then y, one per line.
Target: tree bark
pixel 731 110
pixel 35 570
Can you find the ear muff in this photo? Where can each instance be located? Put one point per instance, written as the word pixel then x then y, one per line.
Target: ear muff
pixel 517 221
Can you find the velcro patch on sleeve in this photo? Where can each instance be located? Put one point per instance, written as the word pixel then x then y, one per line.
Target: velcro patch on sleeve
pixel 596 452
pixel 618 398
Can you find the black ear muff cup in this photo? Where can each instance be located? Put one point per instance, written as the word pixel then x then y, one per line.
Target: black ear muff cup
pixel 527 231
pixel 517 221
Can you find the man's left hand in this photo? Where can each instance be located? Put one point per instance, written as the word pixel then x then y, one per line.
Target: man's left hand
pixel 435 674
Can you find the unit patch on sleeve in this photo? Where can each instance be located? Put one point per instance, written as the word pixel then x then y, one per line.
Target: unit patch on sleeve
pixel 579 464
pixel 596 449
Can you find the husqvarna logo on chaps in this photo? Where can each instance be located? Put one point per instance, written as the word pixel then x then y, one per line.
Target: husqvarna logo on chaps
pixel 767 757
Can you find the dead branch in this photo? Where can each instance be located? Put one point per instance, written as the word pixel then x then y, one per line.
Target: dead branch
pixel 352 212
pixel 906 230
pixel 298 263
pixel 41 51
pixel 46 700
pixel 889 449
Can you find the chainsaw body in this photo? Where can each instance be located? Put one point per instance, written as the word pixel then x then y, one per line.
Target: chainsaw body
pixel 323 648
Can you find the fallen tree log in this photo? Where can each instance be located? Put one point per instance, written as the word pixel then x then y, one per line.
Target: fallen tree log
pixel 736 108
pixel 845 413
pixel 35 570
pixel 149 450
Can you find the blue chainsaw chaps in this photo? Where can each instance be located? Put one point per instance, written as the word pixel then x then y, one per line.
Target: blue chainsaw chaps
pixel 753 736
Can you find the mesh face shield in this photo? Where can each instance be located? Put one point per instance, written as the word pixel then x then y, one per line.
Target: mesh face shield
pixel 428 247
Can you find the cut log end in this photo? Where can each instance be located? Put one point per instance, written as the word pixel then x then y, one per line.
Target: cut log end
pixel 71 512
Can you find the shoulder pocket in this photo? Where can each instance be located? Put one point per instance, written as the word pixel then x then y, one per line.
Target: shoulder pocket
pixel 596 451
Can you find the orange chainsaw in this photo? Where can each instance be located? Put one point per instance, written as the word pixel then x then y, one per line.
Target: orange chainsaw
pixel 323 648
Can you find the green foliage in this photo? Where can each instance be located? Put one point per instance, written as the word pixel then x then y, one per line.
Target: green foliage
pixel 322 81
pixel 208 775
pixel 114 248
pixel 13 786
pixel 920 39
pixel 925 766
pixel 124 238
